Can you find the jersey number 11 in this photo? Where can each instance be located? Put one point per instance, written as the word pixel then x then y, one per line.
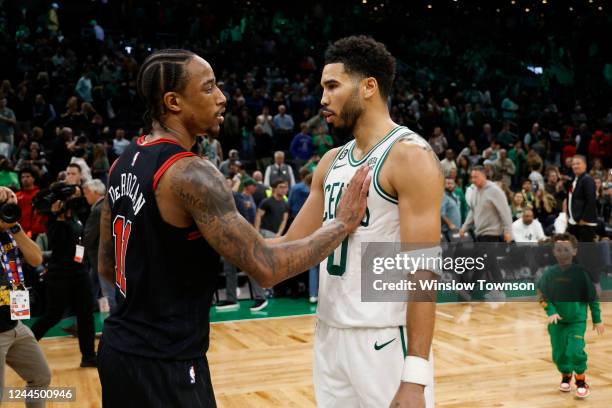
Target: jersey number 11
pixel 121 233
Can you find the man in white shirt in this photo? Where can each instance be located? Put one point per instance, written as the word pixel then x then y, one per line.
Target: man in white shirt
pixel 120 142
pixel 527 229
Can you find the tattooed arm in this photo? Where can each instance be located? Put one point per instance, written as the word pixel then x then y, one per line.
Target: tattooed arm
pixel 200 189
pixel 106 258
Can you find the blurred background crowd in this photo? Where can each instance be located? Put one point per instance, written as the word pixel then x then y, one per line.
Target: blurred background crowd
pixel 519 89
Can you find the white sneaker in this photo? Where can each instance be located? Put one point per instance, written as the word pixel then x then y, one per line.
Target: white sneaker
pixel 313 299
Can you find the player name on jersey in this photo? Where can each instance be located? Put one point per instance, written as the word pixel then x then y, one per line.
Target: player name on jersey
pixel 129 187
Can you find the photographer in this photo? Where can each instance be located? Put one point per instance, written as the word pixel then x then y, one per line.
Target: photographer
pixel 68 283
pixel 18 347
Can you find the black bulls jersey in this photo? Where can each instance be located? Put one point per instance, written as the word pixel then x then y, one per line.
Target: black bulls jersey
pixel 164 276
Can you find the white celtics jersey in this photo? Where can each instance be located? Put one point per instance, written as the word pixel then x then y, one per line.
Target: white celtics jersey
pixel 340 302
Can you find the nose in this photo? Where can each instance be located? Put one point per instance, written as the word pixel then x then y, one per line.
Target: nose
pixel 324 98
pixel 221 101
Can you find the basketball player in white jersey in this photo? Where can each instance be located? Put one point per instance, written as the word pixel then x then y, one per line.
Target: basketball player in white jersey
pixel 371 354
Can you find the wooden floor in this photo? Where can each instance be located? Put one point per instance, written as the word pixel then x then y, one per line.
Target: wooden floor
pixel 484 357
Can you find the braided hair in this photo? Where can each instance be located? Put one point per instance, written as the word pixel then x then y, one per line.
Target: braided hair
pixel 161 72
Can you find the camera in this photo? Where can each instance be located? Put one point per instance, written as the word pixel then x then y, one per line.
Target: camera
pixel 10 212
pixel 58 191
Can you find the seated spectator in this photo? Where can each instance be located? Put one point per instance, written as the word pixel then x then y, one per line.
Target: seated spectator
pixel 545 208
pixel 527 192
pixel 518 205
pixel 598 171
pixel 8 178
pixel 555 186
pixel 536 177
pixel 527 228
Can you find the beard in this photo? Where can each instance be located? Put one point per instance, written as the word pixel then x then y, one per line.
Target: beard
pixel 351 112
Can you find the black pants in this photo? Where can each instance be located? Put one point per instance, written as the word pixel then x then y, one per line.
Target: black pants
pixel 133 381
pixel 492 272
pixel 583 233
pixel 61 294
pixel 588 252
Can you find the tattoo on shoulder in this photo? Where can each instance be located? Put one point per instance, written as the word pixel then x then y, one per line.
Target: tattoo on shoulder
pixel 414 139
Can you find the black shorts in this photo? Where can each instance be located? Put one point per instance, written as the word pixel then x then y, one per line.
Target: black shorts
pixel 133 381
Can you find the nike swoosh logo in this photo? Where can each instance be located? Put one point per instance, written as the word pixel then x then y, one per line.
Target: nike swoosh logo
pixel 337 166
pixel 377 347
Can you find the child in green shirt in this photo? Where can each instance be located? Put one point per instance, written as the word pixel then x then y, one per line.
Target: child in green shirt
pixel 566 291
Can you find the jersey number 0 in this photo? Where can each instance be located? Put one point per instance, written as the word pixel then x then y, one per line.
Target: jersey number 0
pixel 121 233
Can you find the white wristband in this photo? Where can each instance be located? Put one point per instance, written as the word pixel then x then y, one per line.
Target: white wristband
pixel 417 370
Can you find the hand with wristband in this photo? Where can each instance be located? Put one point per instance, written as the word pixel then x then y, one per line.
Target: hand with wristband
pixel 417 372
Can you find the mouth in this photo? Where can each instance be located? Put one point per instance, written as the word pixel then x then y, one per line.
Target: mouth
pixel 220 117
pixel 327 115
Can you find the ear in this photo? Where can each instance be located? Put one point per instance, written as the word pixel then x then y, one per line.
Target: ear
pixel 369 87
pixel 172 102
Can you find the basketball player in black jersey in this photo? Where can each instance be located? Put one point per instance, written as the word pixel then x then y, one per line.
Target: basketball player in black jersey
pixel 167 217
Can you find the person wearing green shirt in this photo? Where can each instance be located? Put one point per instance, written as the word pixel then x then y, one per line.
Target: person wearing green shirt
pixel 322 142
pixel 519 158
pixel 566 291
pixel 8 178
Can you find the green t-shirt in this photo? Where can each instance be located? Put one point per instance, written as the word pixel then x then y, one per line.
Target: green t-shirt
pixel 567 292
pixel 9 179
pixel 322 143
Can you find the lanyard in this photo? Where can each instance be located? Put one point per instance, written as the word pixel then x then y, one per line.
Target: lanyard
pixel 6 264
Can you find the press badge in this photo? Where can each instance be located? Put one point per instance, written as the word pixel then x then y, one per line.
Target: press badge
pixel 78 253
pixel 20 305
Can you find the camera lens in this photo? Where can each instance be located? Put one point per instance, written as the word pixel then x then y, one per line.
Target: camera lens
pixel 10 213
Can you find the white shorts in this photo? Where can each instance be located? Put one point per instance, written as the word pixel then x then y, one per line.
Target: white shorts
pixel 360 367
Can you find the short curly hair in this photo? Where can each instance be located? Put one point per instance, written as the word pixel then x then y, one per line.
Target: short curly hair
pixel 364 56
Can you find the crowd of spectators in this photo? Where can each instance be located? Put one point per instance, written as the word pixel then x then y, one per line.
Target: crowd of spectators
pixel 68 98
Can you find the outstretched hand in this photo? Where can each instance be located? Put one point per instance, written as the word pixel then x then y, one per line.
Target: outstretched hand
pixel 352 206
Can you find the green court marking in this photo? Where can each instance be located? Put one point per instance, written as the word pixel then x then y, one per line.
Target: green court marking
pixel 277 307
